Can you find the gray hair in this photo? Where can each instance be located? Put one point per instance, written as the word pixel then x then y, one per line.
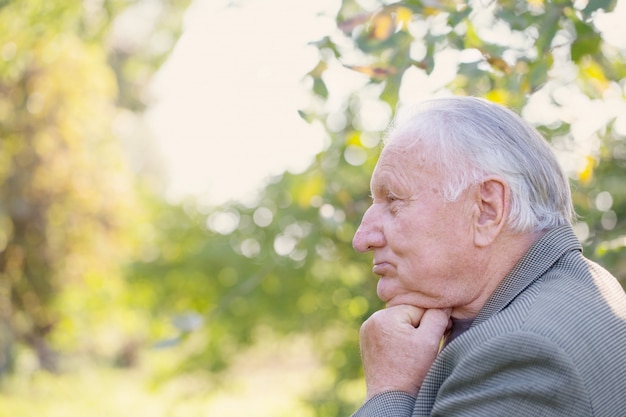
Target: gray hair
pixel 471 138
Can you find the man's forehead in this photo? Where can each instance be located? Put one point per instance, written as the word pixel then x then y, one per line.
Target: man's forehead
pixel 405 148
pixel 398 162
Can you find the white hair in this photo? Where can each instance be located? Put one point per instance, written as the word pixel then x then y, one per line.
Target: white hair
pixel 470 138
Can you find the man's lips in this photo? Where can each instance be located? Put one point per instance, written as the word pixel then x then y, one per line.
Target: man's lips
pixel 381 267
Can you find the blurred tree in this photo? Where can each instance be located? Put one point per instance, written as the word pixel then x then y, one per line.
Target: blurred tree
pixel 67 199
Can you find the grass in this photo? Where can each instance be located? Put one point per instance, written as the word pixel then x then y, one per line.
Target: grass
pixel 267 381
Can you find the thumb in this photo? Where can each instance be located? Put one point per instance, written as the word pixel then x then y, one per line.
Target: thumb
pixel 409 314
pixel 434 324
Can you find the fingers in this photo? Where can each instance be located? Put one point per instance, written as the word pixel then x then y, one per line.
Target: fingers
pixel 432 328
pixel 431 322
pixel 410 314
pixel 434 322
pixel 416 316
pixel 398 346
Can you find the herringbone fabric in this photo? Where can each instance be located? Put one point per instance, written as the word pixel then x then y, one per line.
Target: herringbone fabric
pixel 551 341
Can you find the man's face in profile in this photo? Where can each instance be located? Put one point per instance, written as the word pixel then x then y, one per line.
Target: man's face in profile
pixel 422 244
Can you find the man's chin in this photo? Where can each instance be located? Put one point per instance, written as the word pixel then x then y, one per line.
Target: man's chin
pixel 397 301
pixel 413 300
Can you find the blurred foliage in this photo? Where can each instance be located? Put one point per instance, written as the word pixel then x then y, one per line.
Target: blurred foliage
pixel 283 266
pixel 68 203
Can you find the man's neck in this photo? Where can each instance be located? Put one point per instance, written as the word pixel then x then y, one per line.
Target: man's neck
pixel 499 259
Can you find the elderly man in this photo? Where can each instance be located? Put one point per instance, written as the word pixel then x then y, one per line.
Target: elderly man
pixel 492 310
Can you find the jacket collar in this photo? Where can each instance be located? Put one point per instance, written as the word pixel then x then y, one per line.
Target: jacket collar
pixel 540 257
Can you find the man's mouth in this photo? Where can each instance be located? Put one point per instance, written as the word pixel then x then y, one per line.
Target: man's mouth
pixel 381 268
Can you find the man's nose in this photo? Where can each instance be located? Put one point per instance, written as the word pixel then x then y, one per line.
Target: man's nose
pixel 369 235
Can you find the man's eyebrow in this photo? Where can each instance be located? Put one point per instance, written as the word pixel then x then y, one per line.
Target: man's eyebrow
pixel 377 188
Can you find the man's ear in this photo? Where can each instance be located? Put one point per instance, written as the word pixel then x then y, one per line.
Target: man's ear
pixel 493 202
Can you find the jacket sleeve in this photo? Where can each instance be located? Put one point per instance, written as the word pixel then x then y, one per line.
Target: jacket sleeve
pixel 387 404
pixel 519 374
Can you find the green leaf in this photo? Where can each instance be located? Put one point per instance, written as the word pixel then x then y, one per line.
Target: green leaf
pixel 457 17
pixel 319 87
pixel 307 117
pixel 587 41
pixel 595 5
pixel 538 73
pixel 547 30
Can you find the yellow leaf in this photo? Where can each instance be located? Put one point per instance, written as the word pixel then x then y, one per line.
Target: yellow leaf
pixel 388 20
pixel 403 16
pixel 499 96
pixel 319 69
pixel 472 40
pixel 594 72
pixel 354 138
pixel 430 11
pixel 312 186
pixel 381 26
pixel 586 175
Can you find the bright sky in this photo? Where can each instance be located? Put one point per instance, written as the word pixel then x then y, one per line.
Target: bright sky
pixel 227 99
pixel 226 116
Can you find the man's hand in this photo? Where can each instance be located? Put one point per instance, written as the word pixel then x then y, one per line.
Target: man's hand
pixel 398 346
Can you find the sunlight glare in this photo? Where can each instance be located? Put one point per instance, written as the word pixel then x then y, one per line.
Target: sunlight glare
pixel 226 107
